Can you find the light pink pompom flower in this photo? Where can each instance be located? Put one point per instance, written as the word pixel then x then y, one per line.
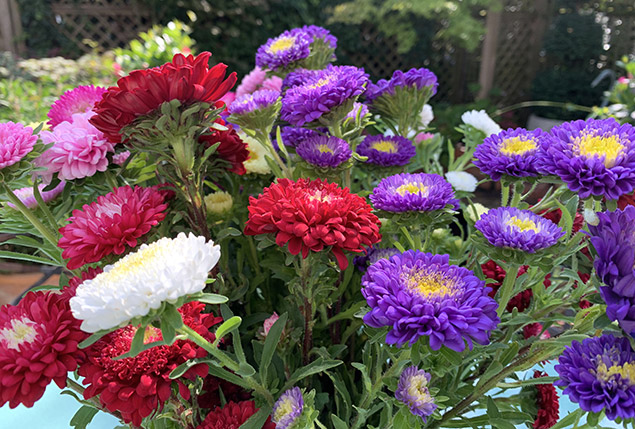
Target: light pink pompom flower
pixel 16 141
pixel 79 150
pixel 77 100
pixel 268 323
pixel 26 195
pixel 257 79
pixel 121 157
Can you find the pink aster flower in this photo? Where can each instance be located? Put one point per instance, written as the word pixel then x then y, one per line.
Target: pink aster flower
pixel 111 225
pixel 79 150
pixel 423 137
pixel 26 195
pixel 268 323
pixel 257 79
pixel 16 141
pixel 121 157
pixel 78 100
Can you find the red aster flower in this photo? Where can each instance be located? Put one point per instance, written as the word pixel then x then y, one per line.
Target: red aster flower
pixel 547 403
pixel 38 343
pixel 187 79
pixel 522 300
pixel 585 278
pixel 115 222
pixel 231 416
pixel 231 149
pixel 625 201
pixel 533 330
pixel 311 215
pixel 578 222
pixel 213 386
pixel 137 386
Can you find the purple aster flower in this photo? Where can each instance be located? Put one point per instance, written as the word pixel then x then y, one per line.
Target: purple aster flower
pixel 284 50
pixel 513 152
pixel 324 151
pixel 387 151
pixel 414 78
pixel 288 408
pixel 358 109
pixel 322 93
pixel 419 294
pixel 317 33
pixel 16 141
pixel 413 192
pixel 372 255
pixel 28 199
pixel 249 103
pixel 614 241
pixel 518 229
pixel 413 391
pixel 293 136
pixel 599 374
pixel 593 157
pixel 298 77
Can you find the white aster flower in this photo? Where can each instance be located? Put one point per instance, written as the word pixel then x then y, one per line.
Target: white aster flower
pixel 219 203
pixel 256 163
pixel 480 120
pixel 427 115
pixel 461 181
pixel 163 271
pixel 591 217
pixel 475 211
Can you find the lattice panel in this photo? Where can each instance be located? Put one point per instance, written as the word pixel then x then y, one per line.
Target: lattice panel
pixel 109 23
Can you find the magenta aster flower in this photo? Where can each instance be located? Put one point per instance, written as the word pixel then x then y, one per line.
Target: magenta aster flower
pixel 599 374
pixel 79 150
pixel 419 192
pixel 77 100
pixel 419 294
pixel 288 408
pixel 387 151
pixel 593 157
pixel 513 152
pixel 324 151
pixel 284 50
pixel 321 94
pixel 413 391
pixel 16 141
pixel 111 225
pixel 26 194
pixel 518 229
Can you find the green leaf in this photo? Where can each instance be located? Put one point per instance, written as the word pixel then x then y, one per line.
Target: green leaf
pixel 338 423
pixel 494 368
pixel 24 257
pixel 492 409
pixel 211 298
pixel 137 341
pixel 566 222
pixel 228 232
pixel 227 326
pixel 172 316
pixel 83 417
pixel 167 331
pixel 569 420
pixel 528 382
pixel 315 367
pixel 257 421
pixel 509 354
pixel 245 370
pixel 226 375
pixel 271 342
pixel 94 338
pixel 366 379
pixel 501 424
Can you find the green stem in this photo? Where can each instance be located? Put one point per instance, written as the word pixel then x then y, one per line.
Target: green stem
pixel 265 141
pixel 569 106
pixel 518 192
pixel 506 290
pixel 504 195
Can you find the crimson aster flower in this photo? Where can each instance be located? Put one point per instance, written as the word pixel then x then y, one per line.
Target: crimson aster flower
pixel 231 149
pixel 419 294
pixel 232 416
pixel 593 157
pixel 188 79
pixel 387 151
pixel 16 141
pixel 115 222
pixel 138 386
pixel 413 391
pixel 77 100
pixel 547 403
pixel 313 215
pixel 38 344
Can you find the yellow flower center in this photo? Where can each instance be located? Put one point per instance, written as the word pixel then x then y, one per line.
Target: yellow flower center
pixel 428 284
pixel 522 224
pixel 385 146
pixel 517 146
pixel 285 407
pixel 136 262
pixel 323 148
pixel 320 82
pixel 321 197
pixel 412 188
pixel 609 147
pixel 282 44
pixel 418 388
pixel 151 335
pixel 21 331
pixel 626 372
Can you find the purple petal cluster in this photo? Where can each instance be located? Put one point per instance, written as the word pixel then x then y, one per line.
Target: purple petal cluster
pixel 28 198
pixel 298 77
pixel 256 101
pixel 284 50
pixel 599 374
pixel 372 255
pixel 358 109
pixel 593 157
pixel 16 141
pixel 518 229
pixel 614 241
pixel 413 192
pixel 413 78
pixel 320 94
pixel 288 408
pixel 413 391
pixel 387 151
pixel 324 151
pixel 293 136
pixel 419 294
pixel 513 152
pixel 317 33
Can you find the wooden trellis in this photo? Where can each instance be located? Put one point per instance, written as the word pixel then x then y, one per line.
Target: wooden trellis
pixel 107 23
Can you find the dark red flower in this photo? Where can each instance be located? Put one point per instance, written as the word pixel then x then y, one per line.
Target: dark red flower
pixel 547 403
pixel 585 278
pixel 38 344
pixel 313 215
pixel 522 300
pixel 111 225
pixel 578 222
pixel 188 79
pixel 137 386
pixel 626 200
pixel 213 386
pixel 231 416
pixel 533 330
pixel 231 149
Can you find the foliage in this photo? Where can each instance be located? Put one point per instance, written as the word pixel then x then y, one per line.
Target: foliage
pixel 621 98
